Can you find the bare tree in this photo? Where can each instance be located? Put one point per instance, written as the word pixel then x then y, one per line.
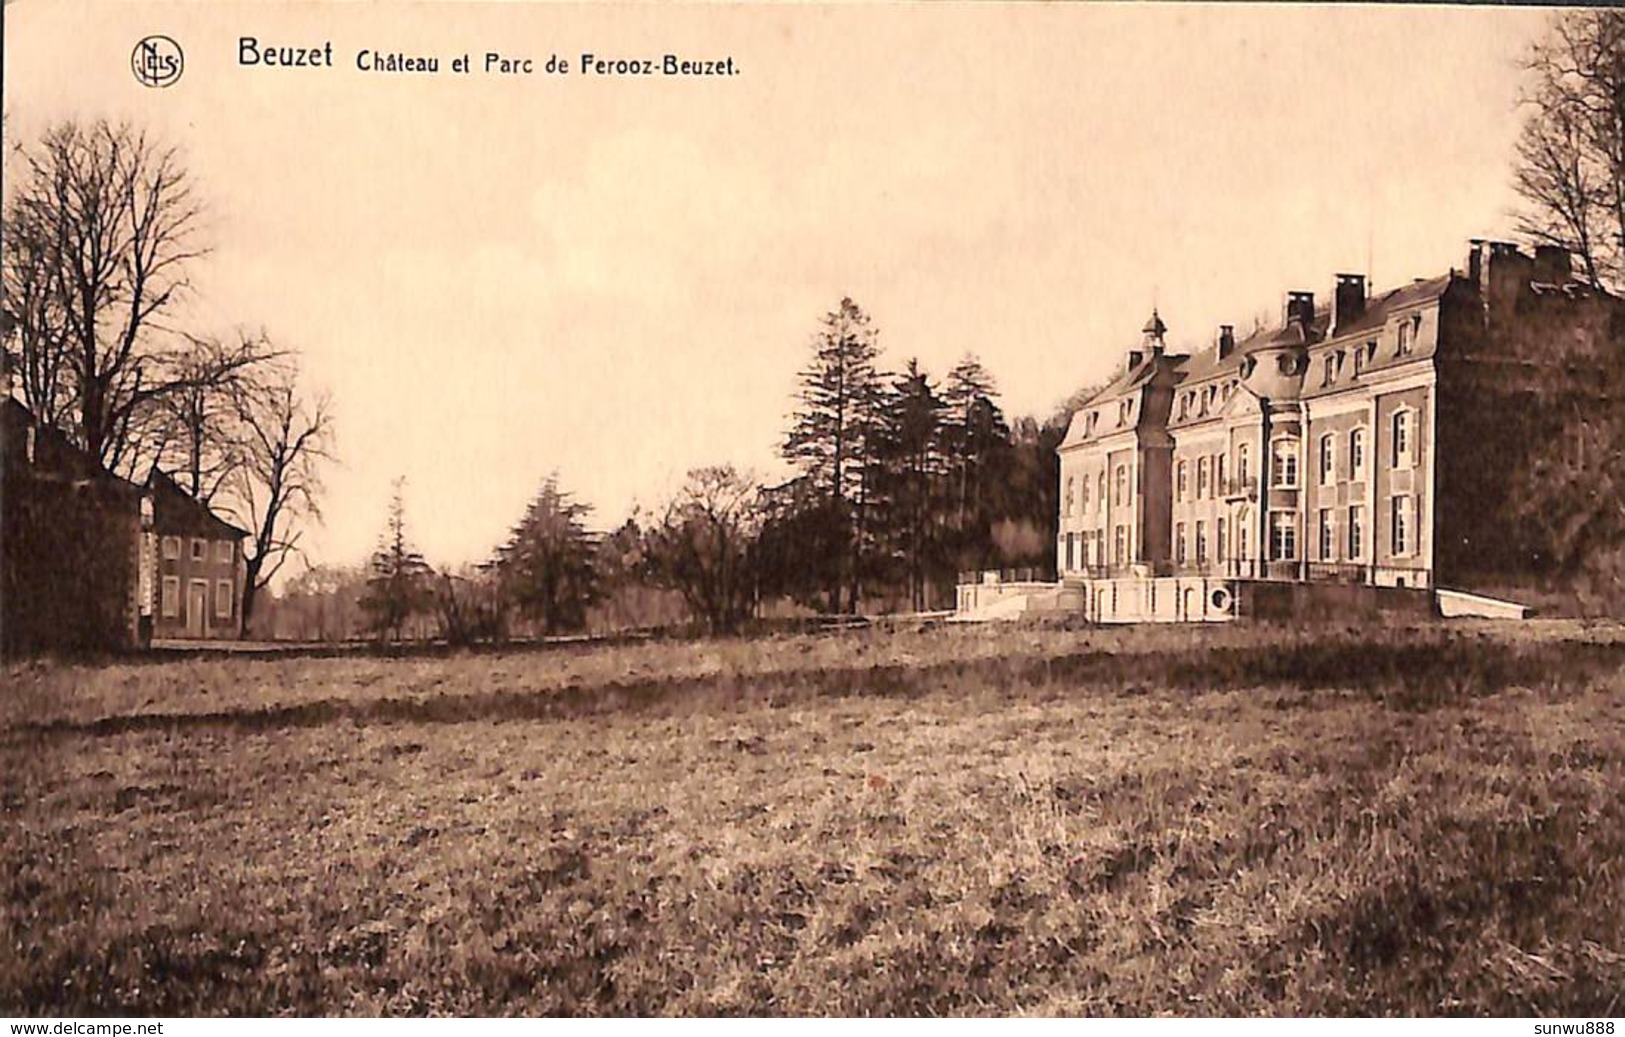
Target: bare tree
pixel 101 230
pixel 1570 168
pixel 197 432
pixel 284 438
pixel 704 546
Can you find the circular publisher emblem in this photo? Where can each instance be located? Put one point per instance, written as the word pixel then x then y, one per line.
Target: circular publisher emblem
pixel 157 61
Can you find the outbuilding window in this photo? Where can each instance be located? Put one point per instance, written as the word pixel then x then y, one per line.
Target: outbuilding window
pixel 222 599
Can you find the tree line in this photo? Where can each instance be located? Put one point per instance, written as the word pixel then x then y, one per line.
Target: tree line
pixel 901 482
pixel 104 231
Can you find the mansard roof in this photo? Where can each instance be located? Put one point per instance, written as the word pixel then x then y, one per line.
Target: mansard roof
pixel 1206 364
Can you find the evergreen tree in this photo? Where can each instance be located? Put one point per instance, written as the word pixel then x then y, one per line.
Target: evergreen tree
pixel 831 436
pixel 914 466
pixel 398 579
pixel 547 567
pixel 979 441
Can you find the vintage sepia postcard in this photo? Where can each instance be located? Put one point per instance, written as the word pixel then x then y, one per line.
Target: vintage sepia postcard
pixel 832 510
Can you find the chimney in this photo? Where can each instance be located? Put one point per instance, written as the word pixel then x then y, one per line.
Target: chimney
pixel 1348 301
pixel 1553 265
pixel 1476 248
pixel 1300 307
pixel 1227 340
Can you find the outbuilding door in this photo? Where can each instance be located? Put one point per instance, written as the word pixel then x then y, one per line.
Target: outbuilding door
pixel 197 598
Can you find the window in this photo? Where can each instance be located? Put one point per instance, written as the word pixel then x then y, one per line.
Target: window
pixel 1362 355
pixel 1328 536
pixel 1402 439
pixel 1241 463
pixel 1407 333
pixel 222 551
pixel 1179 543
pixel 222 599
pixel 1328 371
pixel 1220 543
pixel 1283 536
pixel 1328 459
pixel 200 549
pixel 1120 547
pixel 1121 491
pixel 1356 532
pixel 172 548
pixel 1285 456
pixel 1071 489
pixel 1184 406
pixel 1218 473
pixel 1124 409
pixel 1085 500
pixel 1203 487
pixel 170 604
pixel 1100 502
pixel 1357 454
pixel 1402 524
pixel 1183 481
pixel 1201 543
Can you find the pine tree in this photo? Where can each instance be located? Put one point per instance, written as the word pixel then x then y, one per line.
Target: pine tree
pixel 978 440
pixel 832 433
pixel 547 567
pixel 914 466
pixel 397 576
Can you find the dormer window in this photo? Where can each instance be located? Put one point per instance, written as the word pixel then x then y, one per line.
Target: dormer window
pixel 1328 371
pixel 1406 330
pixel 1124 409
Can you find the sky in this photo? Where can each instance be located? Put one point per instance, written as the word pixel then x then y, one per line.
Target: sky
pixel 617 278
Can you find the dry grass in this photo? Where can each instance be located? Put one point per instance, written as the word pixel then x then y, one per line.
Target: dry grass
pixel 982 820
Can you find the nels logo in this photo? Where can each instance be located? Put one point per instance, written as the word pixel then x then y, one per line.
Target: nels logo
pixel 157 61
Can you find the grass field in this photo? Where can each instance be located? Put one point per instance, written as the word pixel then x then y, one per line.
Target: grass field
pixel 1228 820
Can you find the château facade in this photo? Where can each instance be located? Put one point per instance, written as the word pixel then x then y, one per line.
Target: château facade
pixel 1364 441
